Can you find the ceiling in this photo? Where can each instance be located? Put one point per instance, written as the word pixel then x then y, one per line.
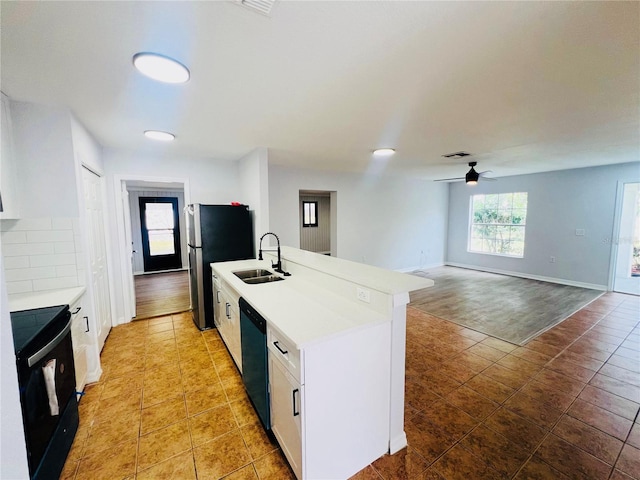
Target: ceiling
pixel 523 86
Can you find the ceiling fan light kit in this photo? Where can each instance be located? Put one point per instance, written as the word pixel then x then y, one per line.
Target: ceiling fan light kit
pixel 471 178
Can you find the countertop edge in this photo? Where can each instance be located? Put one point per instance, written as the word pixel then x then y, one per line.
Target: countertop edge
pixel 45 298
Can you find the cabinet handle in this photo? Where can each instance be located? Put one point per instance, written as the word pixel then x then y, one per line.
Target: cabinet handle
pixel 87 320
pixel 295 413
pixel 218 296
pixel 284 352
pixel 76 310
pixel 227 310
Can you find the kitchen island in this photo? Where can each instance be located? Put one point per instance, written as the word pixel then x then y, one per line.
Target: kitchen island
pixel 336 334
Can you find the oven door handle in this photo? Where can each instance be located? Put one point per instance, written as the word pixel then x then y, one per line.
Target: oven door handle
pixel 40 354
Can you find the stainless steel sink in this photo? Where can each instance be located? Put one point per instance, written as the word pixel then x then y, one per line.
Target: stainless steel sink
pixel 265 279
pixel 257 276
pixel 256 272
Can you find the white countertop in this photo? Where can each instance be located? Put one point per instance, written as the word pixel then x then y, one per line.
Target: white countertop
pixel 307 313
pixel 375 278
pixel 46 298
pixel 300 310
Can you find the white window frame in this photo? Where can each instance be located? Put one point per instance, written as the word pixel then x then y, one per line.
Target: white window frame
pixel 470 236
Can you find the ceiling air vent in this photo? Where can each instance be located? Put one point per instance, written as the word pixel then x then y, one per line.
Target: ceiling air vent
pixel 260 6
pixel 457 155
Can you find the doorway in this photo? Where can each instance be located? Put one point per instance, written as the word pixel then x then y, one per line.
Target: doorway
pixel 129 189
pixel 627 263
pixel 160 232
pixel 318 221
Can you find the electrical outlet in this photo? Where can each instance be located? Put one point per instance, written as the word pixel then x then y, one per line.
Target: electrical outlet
pixel 363 295
pixel 552 259
pixel 579 232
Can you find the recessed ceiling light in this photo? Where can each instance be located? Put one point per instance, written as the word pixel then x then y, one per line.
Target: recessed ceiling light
pixel 384 152
pixel 158 135
pixel 161 68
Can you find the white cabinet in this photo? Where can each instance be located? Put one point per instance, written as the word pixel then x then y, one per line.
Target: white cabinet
pixel 330 401
pixel 80 340
pixel 286 408
pixel 217 301
pixel 8 175
pixel 227 318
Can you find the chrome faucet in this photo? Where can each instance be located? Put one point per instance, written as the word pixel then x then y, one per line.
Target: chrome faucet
pixel 278 265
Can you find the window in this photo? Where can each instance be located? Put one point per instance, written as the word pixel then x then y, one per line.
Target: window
pixel 309 214
pixel 160 226
pixel 497 223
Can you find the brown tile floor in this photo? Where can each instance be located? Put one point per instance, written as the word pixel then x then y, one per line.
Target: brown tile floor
pixel 170 405
pixel 563 406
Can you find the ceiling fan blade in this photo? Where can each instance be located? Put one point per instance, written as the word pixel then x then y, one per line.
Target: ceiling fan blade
pixel 489 179
pixel 457 179
pixel 486 171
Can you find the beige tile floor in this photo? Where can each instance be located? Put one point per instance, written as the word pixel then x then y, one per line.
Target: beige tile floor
pixel 171 405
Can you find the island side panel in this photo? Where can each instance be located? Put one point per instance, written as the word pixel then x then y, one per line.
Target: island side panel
pixel 397 435
pixel 346 402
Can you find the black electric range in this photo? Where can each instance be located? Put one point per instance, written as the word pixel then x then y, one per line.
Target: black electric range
pixel 46 377
pixel 33 327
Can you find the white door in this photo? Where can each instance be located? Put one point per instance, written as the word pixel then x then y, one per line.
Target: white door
pixel 97 254
pixel 627 267
pixel 128 238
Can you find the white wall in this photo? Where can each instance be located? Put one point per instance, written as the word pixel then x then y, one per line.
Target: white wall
pixel 87 151
pixel 389 222
pixel 210 181
pixel 558 203
pixel 13 452
pixel 253 172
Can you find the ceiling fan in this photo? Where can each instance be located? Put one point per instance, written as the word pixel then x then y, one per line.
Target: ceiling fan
pixel 471 178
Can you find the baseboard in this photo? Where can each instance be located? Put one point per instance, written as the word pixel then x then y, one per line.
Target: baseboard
pixel 397 443
pixel 561 281
pixel 94 375
pixel 419 267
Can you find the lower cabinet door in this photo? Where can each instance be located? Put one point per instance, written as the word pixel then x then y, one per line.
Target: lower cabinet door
pixel 286 413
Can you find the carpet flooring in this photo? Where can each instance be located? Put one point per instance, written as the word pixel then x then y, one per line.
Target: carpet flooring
pixel 510 308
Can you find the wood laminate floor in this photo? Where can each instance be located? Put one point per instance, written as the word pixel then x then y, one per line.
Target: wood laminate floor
pixel 162 294
pixel 510 308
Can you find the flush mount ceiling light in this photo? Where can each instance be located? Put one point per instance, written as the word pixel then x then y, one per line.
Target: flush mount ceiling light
pixel 160 67
pixel 160 136
pixel 384 152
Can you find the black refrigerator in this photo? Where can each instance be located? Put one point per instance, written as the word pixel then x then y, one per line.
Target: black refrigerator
pixel 216 233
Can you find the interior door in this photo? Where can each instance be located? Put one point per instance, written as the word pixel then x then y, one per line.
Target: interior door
pixel 98 254
pixel 627 266
pixel 128 238
pixel 159 223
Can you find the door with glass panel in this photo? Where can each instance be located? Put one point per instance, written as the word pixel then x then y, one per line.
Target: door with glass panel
pixel 159 223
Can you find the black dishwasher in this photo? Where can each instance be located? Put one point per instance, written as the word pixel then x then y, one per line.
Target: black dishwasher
pixel 255 370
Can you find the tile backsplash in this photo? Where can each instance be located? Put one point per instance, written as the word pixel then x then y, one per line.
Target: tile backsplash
pixel 41 254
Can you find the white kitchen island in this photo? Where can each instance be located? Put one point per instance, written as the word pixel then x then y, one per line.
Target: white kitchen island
pixel 337 394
